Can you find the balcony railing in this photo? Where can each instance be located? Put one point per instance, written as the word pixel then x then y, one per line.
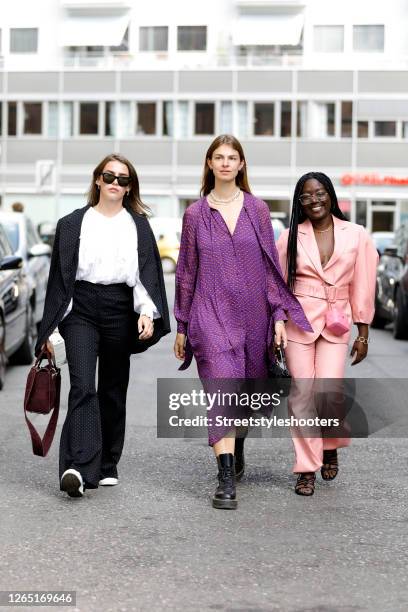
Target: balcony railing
pixel 163 59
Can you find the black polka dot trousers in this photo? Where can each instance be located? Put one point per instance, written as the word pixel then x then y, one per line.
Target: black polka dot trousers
pixel 97 333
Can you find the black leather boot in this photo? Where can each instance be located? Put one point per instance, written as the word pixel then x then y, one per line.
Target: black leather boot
pixel 239 458
pixel 224 496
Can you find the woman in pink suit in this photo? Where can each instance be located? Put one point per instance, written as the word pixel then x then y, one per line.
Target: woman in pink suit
pixel 329 263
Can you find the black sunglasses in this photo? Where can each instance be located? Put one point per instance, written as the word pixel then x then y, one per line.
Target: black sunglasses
pixel 109 178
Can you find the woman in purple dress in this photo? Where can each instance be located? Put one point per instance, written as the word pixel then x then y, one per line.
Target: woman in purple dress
pixel 231 300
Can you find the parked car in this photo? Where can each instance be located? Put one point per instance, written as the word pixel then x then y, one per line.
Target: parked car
pixel 46 231
pixel 391 299
pixel 167 231
pixel 383 240
pixel 27 244
pixel 278 226
pixel 18 331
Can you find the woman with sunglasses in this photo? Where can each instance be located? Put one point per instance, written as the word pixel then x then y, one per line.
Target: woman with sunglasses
pixel 330 265
pixel 231 300
pixel 106 294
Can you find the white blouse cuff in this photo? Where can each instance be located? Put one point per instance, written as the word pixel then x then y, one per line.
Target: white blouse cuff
pixel 143 304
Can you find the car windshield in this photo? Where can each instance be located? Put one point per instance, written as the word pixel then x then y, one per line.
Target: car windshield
pixel 382 242
pixel 12 233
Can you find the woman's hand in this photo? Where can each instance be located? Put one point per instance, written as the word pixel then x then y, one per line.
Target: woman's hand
pixel 48 346
pixel 281 338
pixel 179 345
pixel 145 327
pixel 358 352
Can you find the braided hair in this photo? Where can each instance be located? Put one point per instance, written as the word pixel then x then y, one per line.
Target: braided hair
pixel 298 216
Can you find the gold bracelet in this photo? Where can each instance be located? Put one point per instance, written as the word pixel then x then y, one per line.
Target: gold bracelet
pixel 362 339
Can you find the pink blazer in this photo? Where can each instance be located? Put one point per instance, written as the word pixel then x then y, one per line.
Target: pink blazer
pixel 347 280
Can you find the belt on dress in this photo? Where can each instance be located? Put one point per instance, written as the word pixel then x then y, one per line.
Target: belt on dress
pixel 331 293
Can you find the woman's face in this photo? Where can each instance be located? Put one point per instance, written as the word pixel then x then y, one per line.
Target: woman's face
pixel 315 200
pixel 113 192
pixel 225 163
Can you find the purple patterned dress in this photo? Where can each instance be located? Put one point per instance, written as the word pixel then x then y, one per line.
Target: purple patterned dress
pixel 229 293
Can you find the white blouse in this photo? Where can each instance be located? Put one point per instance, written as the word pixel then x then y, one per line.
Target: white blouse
pixel 108 254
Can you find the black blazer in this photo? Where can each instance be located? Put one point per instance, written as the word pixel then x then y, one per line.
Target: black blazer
pixel 64 264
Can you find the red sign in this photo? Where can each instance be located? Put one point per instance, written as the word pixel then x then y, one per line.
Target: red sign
pixel 372 179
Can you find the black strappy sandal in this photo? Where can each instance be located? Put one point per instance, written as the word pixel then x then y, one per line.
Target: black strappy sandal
pixel 305 484
pixel 330 467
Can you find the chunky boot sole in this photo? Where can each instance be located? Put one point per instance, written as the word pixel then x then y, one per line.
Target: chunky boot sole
pixel 224 504
pixel 71 485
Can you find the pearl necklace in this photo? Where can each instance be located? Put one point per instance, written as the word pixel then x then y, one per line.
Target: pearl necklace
pixel 218 201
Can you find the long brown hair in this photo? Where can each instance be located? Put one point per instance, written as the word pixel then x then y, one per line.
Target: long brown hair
pixel 132 200
pixel 208 180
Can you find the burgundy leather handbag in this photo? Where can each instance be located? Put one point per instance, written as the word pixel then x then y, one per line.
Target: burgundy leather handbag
pixel 42 396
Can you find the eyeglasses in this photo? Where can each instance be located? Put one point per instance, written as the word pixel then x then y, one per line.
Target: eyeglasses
pixel 109 178
pixel 308 198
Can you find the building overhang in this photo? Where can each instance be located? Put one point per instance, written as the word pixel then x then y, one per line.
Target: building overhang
pixel 280 28
pixel 95 30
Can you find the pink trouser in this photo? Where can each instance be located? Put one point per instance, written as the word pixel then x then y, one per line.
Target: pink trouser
pixel 320 359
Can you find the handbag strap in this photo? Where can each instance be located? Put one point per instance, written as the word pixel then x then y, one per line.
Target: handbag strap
pixel 41 446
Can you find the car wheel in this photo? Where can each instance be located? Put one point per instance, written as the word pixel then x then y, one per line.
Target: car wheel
pixel 400 318
pixel 168 265
pixel 25 354
pixel 3 358
pixel 378 322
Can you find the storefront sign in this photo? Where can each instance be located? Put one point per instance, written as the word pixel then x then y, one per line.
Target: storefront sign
pixel 372 179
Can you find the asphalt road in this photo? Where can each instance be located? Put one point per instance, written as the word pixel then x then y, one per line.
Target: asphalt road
pixel 155 543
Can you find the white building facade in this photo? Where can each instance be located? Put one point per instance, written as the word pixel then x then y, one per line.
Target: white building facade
pixel 310 85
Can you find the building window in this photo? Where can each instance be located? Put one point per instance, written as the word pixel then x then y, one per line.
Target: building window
pixel 328 38
pixel 368 38
pixel 146 118
pixel 242 119
pixel 362 129
pixel 110 119
pixel 67 125
pixel 301 120
pixel 1 118
pixel 264 118
pixel 286 120
pixel 226 118
pixel 154 38
pixel 168 119
pixel 346 119
pixel 12 119
pixel 88 118
pixel 330 118
pixel 23 40
pixel 52 123
pixel 192 38
pixel 385 128
pixel 361 212
pixel 182 119
pixel 32 118
pixel 405 129
pixel 321 121
pixel 204 118
pixel 125 120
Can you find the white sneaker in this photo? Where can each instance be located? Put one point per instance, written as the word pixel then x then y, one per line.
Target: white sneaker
pixel 72 483
pixel 109 481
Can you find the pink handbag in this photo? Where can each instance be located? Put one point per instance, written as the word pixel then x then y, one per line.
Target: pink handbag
pixel 336 320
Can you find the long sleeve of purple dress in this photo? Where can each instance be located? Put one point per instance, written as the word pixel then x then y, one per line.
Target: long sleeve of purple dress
pixel 275 298
pixel 186 272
